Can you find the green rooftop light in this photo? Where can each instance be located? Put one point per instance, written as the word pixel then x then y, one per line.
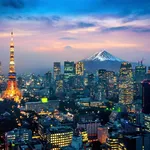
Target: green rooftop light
pixel 44 100
pixel 119 109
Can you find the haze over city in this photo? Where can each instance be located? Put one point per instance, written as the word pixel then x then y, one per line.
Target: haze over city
pixel 47 31
pixel 74 75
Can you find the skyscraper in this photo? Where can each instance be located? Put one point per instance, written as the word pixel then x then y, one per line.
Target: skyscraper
pixel 80 68
pixel 148 74
pixel 91 84
pixel 111 84
pixel 12 91
pixel 126 88
pixel 140 74
pixel 56 70
pixel 48 79
pixel 101 87
pixel 69 69
pixel 146 96
pixel 59 84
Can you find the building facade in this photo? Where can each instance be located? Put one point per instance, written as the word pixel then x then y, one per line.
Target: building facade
pixel 69 69
pixel 56 70
pixel 79 68
pixel 59 137
pixel 126 84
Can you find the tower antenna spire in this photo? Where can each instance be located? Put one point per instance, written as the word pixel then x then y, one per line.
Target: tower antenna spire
pixel 12 36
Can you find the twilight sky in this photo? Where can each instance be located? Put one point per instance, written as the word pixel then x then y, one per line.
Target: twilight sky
pixel 57 30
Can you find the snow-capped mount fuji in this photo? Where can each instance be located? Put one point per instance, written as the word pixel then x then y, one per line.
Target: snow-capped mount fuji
pixel 102 60
pixel 103 56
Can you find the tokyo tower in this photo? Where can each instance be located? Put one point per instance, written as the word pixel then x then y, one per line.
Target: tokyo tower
pixel 12 92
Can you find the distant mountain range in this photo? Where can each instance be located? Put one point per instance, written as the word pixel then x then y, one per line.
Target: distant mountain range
pixel 102 60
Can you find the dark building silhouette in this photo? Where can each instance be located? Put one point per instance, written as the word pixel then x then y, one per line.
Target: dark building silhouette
pixel 146 96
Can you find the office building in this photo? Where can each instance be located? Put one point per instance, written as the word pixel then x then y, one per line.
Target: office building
pixel 140 75
pixel 148 73
pixel 56 70
pixel 42 107
pixel 48 79
pixel 137 141
pixel 59 136
pixel 133 142
pixel 126 86
pixel 79 68
pixel 69 69
pixel 111 84
pixel 35 144
pixel 147 122
pixel 91 128
pixel 19 134
pixel 101 87
pixel 83 133
pixel 91 84
pixel 146 96
pixel 59 84
pixel 114 143
pixel 140 72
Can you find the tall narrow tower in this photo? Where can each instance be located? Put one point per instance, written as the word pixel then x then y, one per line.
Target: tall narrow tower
pixel 12 92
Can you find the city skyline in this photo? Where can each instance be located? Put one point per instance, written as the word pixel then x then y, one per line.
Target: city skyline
pixel 49 31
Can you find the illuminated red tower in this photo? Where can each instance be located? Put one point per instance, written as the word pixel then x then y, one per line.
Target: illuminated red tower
pixel 12 92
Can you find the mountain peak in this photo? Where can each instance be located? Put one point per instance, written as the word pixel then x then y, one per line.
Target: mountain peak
pixel 103 56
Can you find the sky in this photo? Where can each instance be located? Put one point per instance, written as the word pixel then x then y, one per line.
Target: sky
pixel 56 30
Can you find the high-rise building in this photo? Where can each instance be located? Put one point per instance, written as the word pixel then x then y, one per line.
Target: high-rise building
pixel 107 84
pixel 126 87
pixel 59 84
pixel 12 91
pixel 80 68
pixel 111 84
pixel 48 79
pixel 148 73
pixel 147 122
pixel 101 87
pixel 69 69
pixel 133 142
pixel 56 69
pixel 140 74
pixel 146 96
pixel 91 84
pixel 91 79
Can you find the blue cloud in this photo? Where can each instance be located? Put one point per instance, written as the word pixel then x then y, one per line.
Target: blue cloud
pixel 85 25
pixel 16 4
pixel 128 28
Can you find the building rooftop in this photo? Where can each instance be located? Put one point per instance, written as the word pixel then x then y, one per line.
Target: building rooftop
pixel 60 129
